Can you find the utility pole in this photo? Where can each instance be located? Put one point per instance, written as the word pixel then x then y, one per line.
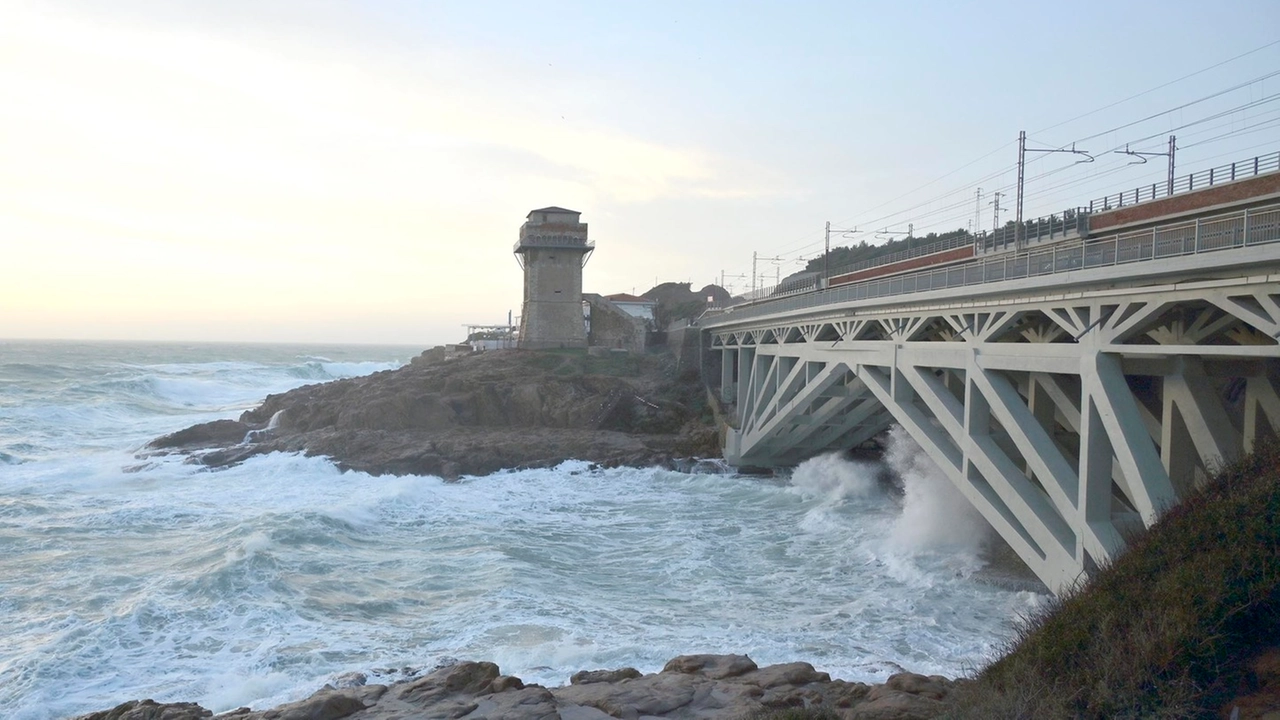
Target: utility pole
pixel 1018 230
pixel 724 277
pixel 1022 166
pixel 826 258
pixel 755 257
pixel 1142 158
pixel 977 211
pixel 995 221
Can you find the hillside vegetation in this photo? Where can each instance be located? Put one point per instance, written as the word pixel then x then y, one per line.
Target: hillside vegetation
pixel 847 257
pixel 1170 630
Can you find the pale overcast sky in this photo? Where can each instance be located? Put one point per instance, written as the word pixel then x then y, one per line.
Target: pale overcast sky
pixel 357 171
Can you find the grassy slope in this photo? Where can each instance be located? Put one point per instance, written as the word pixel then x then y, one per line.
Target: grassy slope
pixel 1167 630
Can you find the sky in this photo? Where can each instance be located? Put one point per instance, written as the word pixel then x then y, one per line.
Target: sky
pixel 357 172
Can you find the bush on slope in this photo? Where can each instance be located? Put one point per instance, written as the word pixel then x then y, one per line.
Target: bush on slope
pixel 1165 631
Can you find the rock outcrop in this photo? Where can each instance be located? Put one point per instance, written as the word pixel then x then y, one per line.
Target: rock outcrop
pixel 473 415
pixel 703 687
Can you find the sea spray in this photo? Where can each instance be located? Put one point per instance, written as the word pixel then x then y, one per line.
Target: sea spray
pixel 835 478
pixel 935 516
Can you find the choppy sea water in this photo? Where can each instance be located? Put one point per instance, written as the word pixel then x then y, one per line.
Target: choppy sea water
pixel 123 578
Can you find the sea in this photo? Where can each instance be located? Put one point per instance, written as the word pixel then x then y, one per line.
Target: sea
pixel 125 575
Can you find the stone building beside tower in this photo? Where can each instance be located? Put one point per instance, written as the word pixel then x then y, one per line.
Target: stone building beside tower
pixel 552 249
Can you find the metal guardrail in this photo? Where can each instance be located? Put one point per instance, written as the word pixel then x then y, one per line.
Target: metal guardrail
pixel 1222 232
pixel 1195 181
pixel 936 246
pixel 785 289
pixel 1051 227
pixel 1046 228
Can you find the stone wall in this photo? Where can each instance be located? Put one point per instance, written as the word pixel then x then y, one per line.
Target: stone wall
pixel 552 312
pixel 684 343
pixel 612 327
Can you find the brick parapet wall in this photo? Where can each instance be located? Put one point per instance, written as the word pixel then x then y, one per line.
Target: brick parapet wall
pixel 1235 193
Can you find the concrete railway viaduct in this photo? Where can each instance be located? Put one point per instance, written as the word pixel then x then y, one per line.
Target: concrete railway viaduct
pixel 1072 389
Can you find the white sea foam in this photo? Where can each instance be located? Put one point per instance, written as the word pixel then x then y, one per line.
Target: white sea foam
pixel 205 393
pixel 835 477
pixel 935 515
pixel 255 584
pixel 355 369
pixel 236 386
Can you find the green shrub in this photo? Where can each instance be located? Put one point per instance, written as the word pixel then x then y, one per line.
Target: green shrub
pixel 1165 631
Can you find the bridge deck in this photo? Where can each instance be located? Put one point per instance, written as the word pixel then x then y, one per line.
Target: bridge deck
pixel 1072 394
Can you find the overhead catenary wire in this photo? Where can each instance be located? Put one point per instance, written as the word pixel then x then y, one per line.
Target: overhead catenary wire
pixel 936 211
pixel 1096 175
pixel 1230 123
pixel 1264 125
pixel 1230 111
pixel 1183 106
pixel 1159 87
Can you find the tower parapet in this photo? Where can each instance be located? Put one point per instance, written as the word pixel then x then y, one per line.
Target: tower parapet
pixel 552 249
pixel 553 227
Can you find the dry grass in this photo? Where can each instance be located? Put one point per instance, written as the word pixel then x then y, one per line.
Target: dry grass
pixel 1164 632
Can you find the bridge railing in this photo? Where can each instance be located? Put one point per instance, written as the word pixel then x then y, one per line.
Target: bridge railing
pixel 1222 232
pixel 814 281
pixel 784 289
pixel 1050 227
pixel 1195 181
pixel 920 250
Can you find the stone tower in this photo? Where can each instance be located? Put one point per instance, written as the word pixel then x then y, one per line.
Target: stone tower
pixel 553 248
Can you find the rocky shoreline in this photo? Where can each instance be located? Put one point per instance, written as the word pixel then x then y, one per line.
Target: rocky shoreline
pixel 477 414
pixel 689 687
pixel 474 415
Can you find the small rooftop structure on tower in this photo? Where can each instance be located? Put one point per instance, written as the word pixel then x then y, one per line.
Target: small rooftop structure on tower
pixel 552 249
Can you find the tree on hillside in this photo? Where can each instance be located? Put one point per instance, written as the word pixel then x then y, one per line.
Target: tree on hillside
pixel 845 257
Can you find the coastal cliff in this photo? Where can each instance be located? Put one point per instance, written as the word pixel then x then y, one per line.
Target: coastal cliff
pixel 476 414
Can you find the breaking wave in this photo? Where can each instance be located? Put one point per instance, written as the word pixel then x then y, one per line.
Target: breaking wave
pixel 255 585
